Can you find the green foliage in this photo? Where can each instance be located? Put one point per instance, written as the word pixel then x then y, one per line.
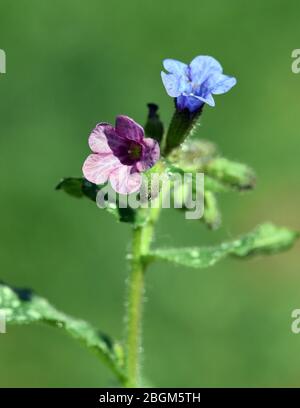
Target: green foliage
pixel 215 186
pixel 192 157
pixel 193 154
pixel 181 126
pixel 265 239
pixel 221 174
pixel 212 215
pixel 78 187
pixel 232 174
pixel 22 306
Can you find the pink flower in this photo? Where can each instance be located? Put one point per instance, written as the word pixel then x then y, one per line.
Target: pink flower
pixel 120 154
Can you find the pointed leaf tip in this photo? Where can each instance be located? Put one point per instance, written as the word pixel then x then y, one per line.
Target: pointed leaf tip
pixel 22 306
pixel 265 239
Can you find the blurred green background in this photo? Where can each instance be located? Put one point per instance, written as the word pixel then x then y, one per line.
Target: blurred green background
pixel 71 64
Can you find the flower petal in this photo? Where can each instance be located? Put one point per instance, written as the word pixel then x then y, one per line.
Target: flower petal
pixel 172 83
pixel 98 138
pixel 127 128
pixel 151 153
pixel 206 99
pixel 105 139
pixel 202 67
pixel 224 84
pixel 175 67
pixel 124 180
pixel 189 102
pixel 97 167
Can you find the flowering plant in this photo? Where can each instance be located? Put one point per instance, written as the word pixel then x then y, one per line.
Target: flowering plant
pixel 122 157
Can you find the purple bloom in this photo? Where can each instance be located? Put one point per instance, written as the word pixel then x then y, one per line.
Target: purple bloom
pixel 194 84
pixel 120 154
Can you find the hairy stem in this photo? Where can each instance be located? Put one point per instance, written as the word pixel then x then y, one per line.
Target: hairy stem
pixel 142 237
pixel 181 126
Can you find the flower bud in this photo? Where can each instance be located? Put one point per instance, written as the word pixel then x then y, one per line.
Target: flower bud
pixel 154 127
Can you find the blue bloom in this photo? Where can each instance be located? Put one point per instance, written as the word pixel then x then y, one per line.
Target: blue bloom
pixel 194 84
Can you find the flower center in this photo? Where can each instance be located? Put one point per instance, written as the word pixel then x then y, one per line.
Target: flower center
pixel 134 151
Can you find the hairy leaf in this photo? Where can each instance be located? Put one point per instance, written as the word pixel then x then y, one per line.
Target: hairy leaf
pixel 212 216
pixel 215 186
pixel 265 239
pixel 236 175
pixel 211 183
pixel 22 306
pixel 78 187
pixel 192 155
pixel 221 174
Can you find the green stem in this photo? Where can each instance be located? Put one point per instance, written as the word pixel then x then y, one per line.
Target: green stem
pixel 181 125
pixel 142 237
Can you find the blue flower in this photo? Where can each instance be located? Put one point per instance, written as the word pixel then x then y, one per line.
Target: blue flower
pixel 194 84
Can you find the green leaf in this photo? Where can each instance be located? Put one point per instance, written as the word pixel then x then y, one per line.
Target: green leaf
pixel 71 186
pixel 212 216
pixel 215 186
pixel 193 154
pixel 89 189
pixel 221 175
pixel 127 215
pixel 236 175
pixel 22 306
pixel 210 182
pixel 78 187
pixel 265 239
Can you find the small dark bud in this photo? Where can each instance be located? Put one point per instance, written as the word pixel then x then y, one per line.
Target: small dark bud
pixel 154 128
